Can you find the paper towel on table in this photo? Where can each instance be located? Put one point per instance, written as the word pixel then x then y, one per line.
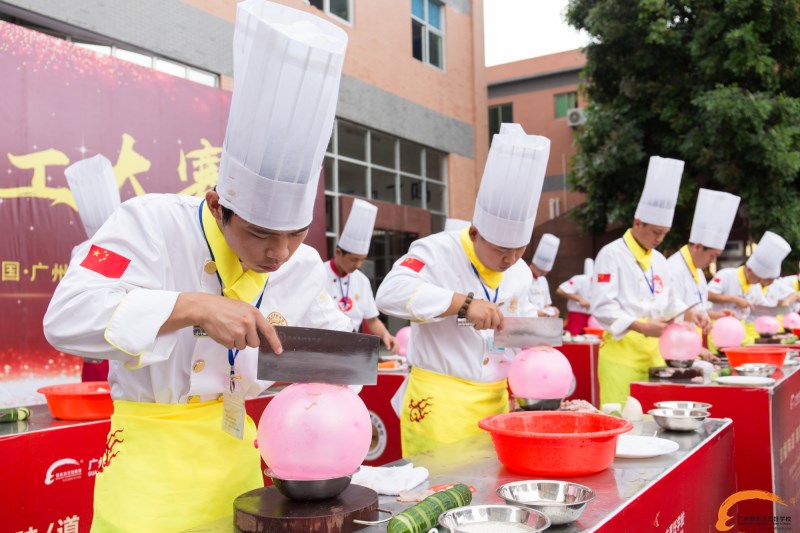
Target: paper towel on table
pixel 390 480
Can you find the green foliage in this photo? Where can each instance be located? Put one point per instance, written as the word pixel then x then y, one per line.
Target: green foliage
pixel 715 83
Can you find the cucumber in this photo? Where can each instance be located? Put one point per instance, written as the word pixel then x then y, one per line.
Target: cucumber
pixel 423 516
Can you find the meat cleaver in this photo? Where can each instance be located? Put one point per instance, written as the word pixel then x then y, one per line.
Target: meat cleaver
pixel 524 332
pixel 320 356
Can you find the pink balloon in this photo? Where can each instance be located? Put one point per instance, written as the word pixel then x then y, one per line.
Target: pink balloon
pixel 727 332
pixel 768 325
pixel 593 323
pixel 540 373
pixel 791 321
pixel 679 341
pixel 403 335
pixel 314 431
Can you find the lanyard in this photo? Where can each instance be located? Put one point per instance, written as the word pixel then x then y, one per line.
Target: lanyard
pixel 231 354
pixel 696 286
pixel 485 290
pixel 345 296
pixel 651 283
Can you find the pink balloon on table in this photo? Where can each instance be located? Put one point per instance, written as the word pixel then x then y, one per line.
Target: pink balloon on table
pixel 679 341
pixel 791 321
pixel 540 373
pixel 593 323
pixel 314 431
pixel 767 325
pixel 403 335
pixel 727 332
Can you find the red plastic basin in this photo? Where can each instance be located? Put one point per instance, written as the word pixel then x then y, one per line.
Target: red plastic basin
pixel 773 355
pixel 79 401
pixel 555 443
pixel 594 331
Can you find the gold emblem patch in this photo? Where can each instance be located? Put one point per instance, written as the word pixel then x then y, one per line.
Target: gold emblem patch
pixel 513 305
pixel 276 319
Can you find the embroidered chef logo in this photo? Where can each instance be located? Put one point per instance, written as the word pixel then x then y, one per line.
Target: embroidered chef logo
pixel 419 410
pixel 276 319
pixel 513 305
pixel 723 516
pixel 658 285
pixel 112 451
pixel 345 304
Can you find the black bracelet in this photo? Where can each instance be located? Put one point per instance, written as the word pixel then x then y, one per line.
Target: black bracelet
pixel 462 313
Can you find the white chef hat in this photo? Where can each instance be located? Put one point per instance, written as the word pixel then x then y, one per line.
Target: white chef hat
pixel 546 252
pixel 588 267
pixel 287 65
pixel 660 194
pixel 95 190
pixel 766 260
pixel 508 198
pixel 455 224
pixel 713 218
pixel 357 233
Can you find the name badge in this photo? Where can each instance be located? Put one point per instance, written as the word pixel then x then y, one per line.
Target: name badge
pixel 233 414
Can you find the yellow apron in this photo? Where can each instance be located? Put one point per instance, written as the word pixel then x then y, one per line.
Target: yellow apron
pixel 170 467
pixel 624 361
pixel 439 409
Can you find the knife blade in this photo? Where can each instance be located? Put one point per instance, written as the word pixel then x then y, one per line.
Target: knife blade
pixel 671 320
pixel 524 332
pixel 320 356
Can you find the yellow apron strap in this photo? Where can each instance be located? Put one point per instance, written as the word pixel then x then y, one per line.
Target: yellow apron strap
pixel 170 467
pixel 624 361
pixel 439 409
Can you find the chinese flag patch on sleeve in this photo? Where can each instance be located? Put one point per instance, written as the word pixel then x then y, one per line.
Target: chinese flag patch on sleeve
pixel 105 262
pixel 412 263
pixel 603 278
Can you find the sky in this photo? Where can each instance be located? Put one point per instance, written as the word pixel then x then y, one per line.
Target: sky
pixel 521 29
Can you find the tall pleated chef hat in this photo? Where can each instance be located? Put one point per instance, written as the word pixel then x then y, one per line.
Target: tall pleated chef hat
pixel 766 260
pixel 357 233
pixel 545 254
pixel 713 218
pixel 508 198
pixel 455 224
pixel 287 65
pixel 95 190
pixel 588 267
pixel 660 194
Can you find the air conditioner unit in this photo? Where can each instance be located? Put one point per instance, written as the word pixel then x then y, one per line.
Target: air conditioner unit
pixel 575 117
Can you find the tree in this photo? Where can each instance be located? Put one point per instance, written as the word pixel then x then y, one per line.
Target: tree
pixel 715 83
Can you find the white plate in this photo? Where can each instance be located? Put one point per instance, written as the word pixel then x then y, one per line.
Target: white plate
pixel 791 362
pixel 401 368
pixel 638 446
pixel 752 381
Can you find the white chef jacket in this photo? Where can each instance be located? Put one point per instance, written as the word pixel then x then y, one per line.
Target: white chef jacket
pixel 539 293
pixel 580 285
pixel 781 289
pixel 357 288
pixel 684 285
pixel 439 344
pixel 726 282
pixel 105 318
pixel 621 295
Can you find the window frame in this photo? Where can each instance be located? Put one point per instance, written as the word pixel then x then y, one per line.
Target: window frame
pixel 500 108
pixel 567 107
pixel 326 8
pixel 427 28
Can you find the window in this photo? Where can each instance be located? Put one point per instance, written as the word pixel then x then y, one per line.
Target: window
pixel 427 31
pixel 555 207
pixel 497 115
pixel 565 102
pixel 341 9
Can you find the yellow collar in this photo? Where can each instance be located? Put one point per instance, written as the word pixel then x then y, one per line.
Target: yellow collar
pixel 643 257
pixel 690 262
pixel 743 280
pixel 491 278
pixel 237 284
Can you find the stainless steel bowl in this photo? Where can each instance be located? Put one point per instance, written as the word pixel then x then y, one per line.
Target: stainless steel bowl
pixel 306 490
pixel 493 518
pixel 561 501
pixel 679 419
pixel 679 363
pixel 761 370
pixel 533 404
pixel 680 404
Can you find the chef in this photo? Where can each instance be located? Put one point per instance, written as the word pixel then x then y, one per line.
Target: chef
pixel 173 290
pixel 713 218
pixel 347 285
pixel 785 291
pixel 632 295
pixel 577 291
pixel 740 290
pixel 456 288
pixel 541 265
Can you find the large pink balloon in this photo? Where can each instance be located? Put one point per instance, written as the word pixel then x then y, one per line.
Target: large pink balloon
pixel 314 431
pixel 727 332
pixel 540 373
pixel 791 321
pixel 403 335
pixel 768 325
pixel 593 323
pixel 679 341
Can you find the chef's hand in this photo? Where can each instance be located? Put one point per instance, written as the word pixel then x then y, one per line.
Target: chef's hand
pixel 742 302
pixel 700 319
pixel 651 328
pixel 483 314
pixel 583 301
pixel 391 343
pixel 705 355
pixel 548 311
